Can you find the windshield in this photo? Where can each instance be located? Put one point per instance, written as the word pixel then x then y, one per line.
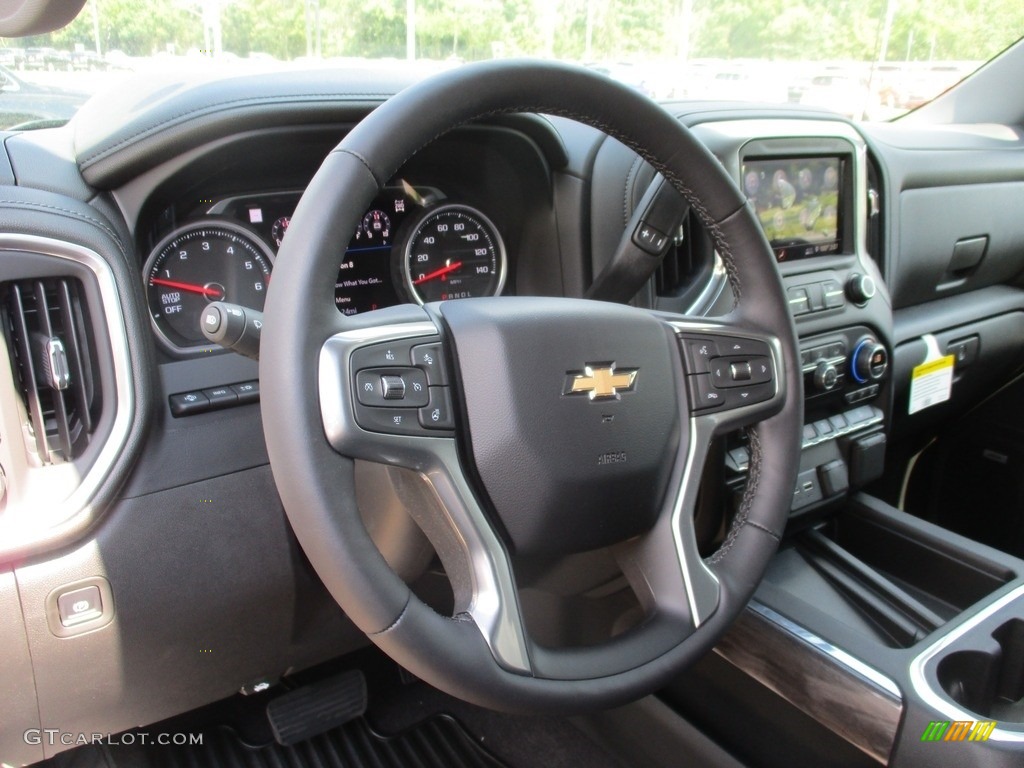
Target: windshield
pixel 868 61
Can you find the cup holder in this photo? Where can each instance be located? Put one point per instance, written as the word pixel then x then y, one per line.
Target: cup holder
pixel 989 680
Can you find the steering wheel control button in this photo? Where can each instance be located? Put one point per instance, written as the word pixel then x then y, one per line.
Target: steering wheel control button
pixel 430 358
pixel 699 354
pixel 738 346
pixel 649 239
pixel 739 372
pixel 437 414
pixel 189 403
pixel 704 394
pixel 382 355
pixel 394 421
pixel 393 387
pixel 79 606
pixel 741 396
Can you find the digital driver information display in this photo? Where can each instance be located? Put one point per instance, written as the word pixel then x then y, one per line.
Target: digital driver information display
pixel 798 203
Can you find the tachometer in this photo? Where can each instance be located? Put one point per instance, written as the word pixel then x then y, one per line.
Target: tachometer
pixel 453 252
pixel 199 263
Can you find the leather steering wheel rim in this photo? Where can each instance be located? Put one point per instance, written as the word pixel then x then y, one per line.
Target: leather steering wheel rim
pixel 316 484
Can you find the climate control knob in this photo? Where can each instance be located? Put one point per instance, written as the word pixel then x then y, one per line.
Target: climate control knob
pixel 825 376
pixel 860 288
pixel 869 362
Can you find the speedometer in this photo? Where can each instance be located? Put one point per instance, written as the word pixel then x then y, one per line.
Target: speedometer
pixel 199 263
pixel 453 252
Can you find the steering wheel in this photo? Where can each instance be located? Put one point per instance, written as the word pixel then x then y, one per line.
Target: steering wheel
pixel 536 426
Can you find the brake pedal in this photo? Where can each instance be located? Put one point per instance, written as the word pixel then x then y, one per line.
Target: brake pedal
pixel 317 708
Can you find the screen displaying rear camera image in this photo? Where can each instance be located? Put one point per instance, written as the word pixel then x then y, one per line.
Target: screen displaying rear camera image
pixel 798 204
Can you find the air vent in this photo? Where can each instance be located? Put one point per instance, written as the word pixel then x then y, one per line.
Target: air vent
pixel 46 325
pixel 690 250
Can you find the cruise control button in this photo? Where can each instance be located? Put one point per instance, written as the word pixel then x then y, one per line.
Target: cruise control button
pixel 430 357
pixel 392 387
pixel 383 355
pixel 703 394
pixel 394 421
pixel 437 414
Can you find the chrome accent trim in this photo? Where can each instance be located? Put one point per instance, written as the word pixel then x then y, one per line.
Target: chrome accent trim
pixel 713 290
pixel 838 654
pixel 493 600
pixel 855 702
pixel 939 702
pixel 76 512
pixel 57 359
pixel 501 254
pixel 227 224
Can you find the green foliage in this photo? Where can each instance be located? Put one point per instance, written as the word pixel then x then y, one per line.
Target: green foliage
pixel 618 29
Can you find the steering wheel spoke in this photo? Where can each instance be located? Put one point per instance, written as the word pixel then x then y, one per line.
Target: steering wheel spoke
pixel 356 368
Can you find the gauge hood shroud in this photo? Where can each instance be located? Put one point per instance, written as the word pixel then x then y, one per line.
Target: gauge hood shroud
pixel 122 133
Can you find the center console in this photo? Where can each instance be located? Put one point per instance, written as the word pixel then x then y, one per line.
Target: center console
pixel 891 634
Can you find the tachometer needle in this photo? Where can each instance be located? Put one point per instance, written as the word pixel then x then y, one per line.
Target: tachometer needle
pixel 438 273
pixel 185 286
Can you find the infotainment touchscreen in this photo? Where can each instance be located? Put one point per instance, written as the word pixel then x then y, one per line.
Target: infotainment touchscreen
pixel 798 203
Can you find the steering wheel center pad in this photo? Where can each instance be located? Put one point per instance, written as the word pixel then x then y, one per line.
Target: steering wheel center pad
pixel 567 470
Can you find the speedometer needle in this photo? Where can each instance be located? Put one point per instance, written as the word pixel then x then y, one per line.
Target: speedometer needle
pixel 185 286
pixel 438 273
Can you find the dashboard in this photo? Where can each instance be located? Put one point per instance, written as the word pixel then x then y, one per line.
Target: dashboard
pixel 179 497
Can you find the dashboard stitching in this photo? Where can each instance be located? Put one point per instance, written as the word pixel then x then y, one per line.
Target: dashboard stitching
pixel 69 212
pixel 225 106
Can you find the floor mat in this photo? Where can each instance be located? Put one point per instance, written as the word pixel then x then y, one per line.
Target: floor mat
pixel 439 742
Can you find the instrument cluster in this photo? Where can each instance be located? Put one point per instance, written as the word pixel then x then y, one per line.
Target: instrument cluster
pixel 412 245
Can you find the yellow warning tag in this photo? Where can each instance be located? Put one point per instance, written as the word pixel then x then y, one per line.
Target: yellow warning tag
pixel 931 383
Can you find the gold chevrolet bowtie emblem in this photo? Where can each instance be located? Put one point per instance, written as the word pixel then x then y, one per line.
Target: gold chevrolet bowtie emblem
pixel 601 381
